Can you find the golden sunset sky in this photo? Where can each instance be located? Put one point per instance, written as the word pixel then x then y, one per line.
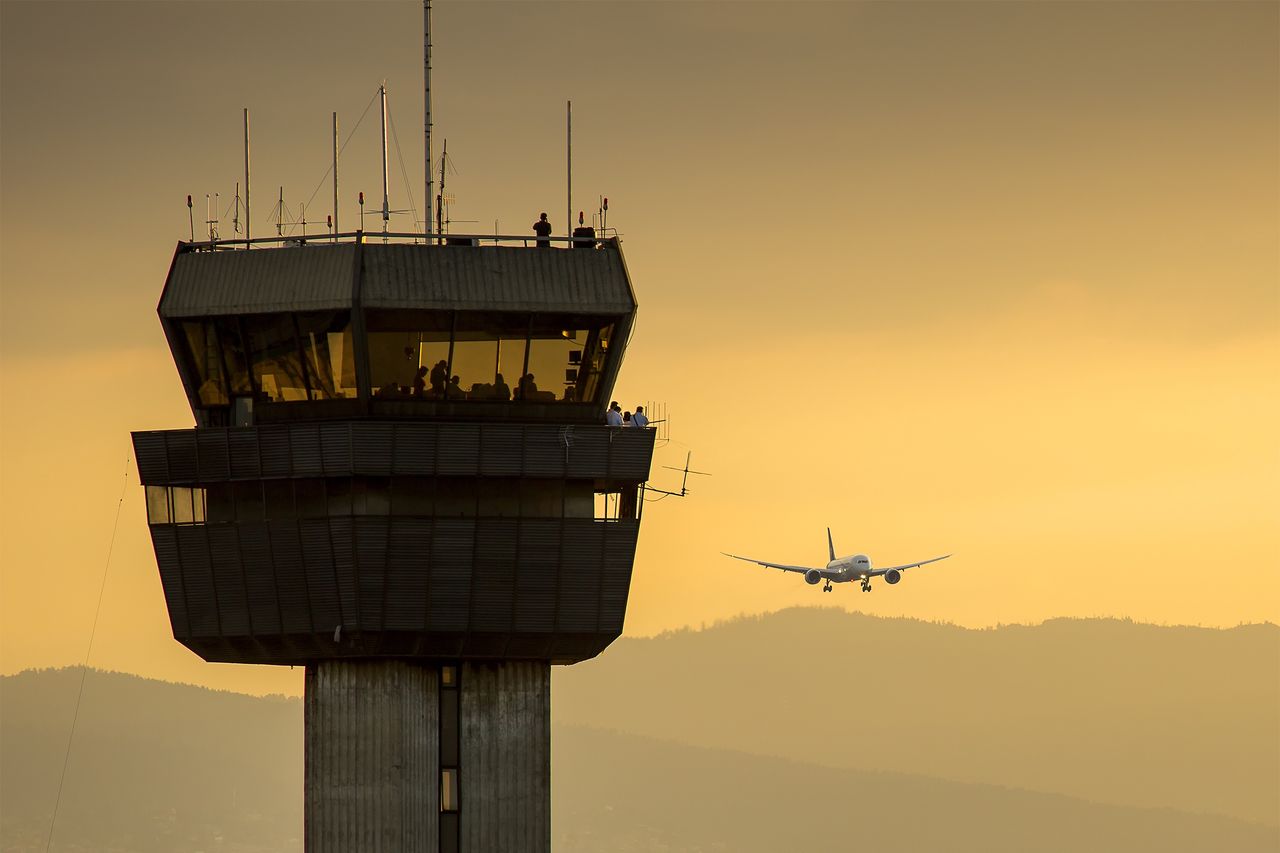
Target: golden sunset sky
pixel 992 279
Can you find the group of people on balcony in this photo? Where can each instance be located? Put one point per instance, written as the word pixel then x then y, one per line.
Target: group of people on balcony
pixel 617 418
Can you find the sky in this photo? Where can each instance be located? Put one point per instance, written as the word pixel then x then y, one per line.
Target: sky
pixel 992 279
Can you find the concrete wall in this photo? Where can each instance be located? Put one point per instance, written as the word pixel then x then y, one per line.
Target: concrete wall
pixel 505 767
pixel 372 765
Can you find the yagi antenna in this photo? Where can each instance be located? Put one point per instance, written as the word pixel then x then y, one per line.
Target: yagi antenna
pixel 684 479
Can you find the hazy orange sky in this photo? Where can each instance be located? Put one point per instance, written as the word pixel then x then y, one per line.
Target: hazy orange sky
pixel 997 279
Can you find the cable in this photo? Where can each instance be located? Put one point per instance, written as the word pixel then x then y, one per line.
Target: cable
pixel 84 671
pixel 340 150
pixel 404 174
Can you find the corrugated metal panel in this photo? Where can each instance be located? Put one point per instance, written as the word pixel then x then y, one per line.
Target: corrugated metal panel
pixel 505 771
pixel 228 579
pixel 589 455
pixel 275 450
pixel 308 461
pixel 496 278
pixel 630 454
pixel 493 595
pixel 410 546
pixel 197 581
pixel 291 579
pixel 344 570
pixel 242 444
pixel 260 578
pixel 261 281
pixel 578 594
pixel 335 448
pixel 182 455
pixel 372 757
pixel 371 560
pixel 457 449
pixel 377 449
pixel 150 451
pixel 372 447
pixel 536 571
pixel 322 579
pixel 211 446
pixel 164 540
pixel 501 450
pixel 452 544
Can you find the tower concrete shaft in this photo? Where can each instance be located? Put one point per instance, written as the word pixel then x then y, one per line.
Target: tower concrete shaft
pixel 407 757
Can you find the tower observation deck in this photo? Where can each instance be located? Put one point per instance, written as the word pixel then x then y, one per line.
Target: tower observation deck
pixel 400 478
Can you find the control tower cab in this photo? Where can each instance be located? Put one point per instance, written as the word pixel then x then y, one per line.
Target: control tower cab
pixel 400 477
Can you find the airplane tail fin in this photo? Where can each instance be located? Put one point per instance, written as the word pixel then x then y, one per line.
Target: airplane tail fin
pixel 831 548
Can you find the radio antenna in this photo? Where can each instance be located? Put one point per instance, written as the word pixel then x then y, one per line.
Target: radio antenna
pixel 386 202
pixel 247 234
pixel 426 99
pixel 335 176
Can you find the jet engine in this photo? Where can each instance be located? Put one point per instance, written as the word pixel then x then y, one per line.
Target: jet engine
pixel 813 576
pixel 892 576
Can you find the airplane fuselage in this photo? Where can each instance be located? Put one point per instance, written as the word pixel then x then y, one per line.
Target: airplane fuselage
pixel 856 567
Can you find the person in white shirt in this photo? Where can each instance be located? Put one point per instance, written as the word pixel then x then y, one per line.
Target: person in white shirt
pixel 614 416
pixel 638 419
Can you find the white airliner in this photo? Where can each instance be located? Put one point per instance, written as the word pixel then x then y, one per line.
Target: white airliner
pixel 843 569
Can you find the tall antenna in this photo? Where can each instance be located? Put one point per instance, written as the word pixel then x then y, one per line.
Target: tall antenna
pixel 335 175
pixel 568 210
pixel 444 158
pixel 386 202
pixel 247 235
pixel 426 97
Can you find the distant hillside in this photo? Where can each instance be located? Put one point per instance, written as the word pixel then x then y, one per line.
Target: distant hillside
pixel 621 793
pixel 1106 710
pixel 154 767
pixel 164 768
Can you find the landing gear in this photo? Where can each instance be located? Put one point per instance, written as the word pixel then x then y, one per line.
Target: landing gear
pixel 827 588
pixel 866 585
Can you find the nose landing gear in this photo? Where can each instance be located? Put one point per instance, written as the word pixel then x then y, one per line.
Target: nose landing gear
pixel 866 585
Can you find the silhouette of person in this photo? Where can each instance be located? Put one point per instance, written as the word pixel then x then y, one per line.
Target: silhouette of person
pixel 543 229
pixel 455 389
pixel 626 419
pixel 613 417
pixel 439 376
pixel 639 419
pixel 420 382
pixel 501 390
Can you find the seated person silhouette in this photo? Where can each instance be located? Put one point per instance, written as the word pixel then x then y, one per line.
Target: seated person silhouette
pixel 501 390
pixel 454 391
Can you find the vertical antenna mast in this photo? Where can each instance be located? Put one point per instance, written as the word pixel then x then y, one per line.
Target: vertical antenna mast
pixel 426 98
pixel 335 177
pixel 247 235
pixel 568 211
pixel 444 157
pixel 386 202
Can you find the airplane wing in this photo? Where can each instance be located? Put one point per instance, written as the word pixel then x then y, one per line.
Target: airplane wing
pixel 785 568
pixel 878 572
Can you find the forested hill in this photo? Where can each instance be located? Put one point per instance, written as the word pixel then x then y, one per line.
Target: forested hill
pixel 1102 709
pixel 814 729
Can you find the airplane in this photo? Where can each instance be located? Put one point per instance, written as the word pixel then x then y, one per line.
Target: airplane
pixel 843 569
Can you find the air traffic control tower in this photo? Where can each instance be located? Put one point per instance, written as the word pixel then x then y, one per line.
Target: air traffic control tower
pixel 400 478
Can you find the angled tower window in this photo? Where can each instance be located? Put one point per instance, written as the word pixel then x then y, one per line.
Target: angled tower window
pixel 408 352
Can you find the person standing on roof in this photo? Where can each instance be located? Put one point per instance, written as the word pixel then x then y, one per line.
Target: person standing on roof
pixel 638 419
pixel 543 229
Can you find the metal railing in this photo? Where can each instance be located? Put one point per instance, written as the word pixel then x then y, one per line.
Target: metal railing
pixel 402 238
